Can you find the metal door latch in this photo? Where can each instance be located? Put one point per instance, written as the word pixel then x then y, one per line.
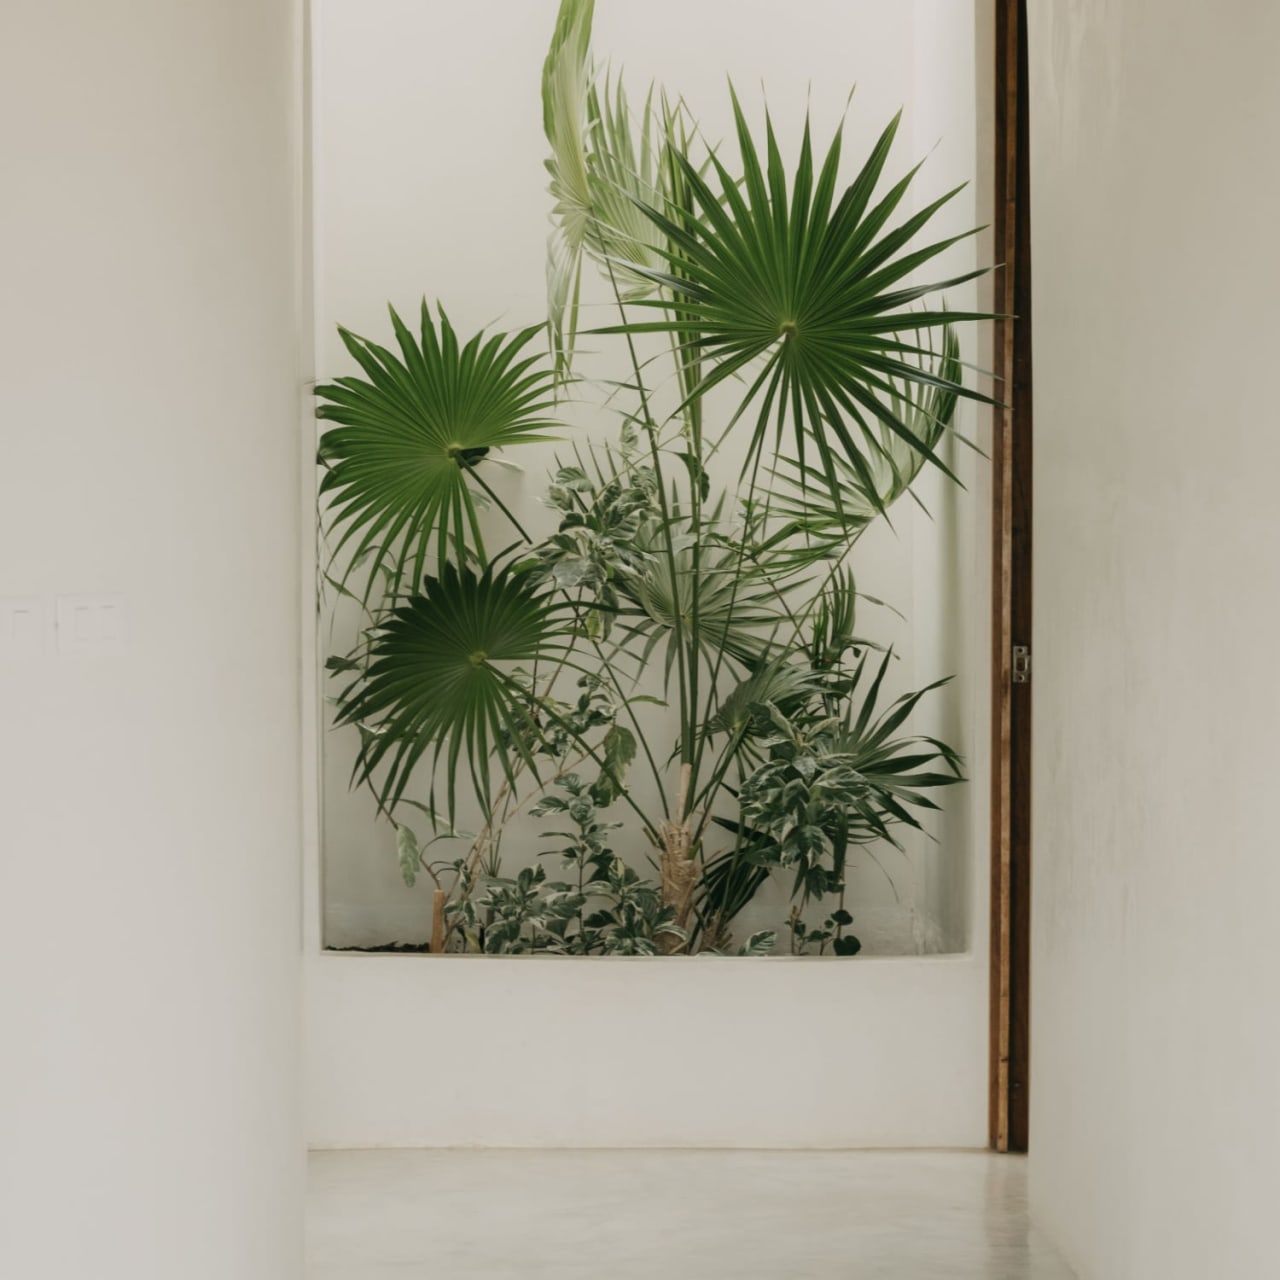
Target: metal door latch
pixel 1021 664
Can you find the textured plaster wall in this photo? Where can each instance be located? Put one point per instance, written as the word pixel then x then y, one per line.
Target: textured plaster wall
pixel 149 800
pixel 1155 1126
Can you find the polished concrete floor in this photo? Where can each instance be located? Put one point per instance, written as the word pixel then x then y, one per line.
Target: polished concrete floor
pixel 671 1215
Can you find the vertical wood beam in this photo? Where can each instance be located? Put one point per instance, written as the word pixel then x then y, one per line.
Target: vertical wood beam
pixel 1011 596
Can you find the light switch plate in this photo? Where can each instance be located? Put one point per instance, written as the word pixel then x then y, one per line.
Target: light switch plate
pixel 92 625
pixel 22 624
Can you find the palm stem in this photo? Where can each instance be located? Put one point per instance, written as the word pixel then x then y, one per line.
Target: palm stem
pixel 718 664
pixel 607 667
pixel 474 473
pixel 651 434
pixel 590 752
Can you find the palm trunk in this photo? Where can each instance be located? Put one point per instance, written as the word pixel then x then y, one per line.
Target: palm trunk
pixel 678 870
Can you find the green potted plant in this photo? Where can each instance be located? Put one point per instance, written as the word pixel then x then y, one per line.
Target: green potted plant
pixel 784 380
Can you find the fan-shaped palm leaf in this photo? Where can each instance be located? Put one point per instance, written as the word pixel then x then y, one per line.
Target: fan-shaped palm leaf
pixel 746 706
pixel 442 679
pixel 411 431
pixel 702 590
pixel 781 274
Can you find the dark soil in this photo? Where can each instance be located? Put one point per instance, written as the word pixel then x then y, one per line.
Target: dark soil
pixel 399 948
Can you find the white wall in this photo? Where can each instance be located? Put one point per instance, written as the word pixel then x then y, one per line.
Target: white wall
pixel 424 1051
pixel 1155 1126
pixel 428 153
pixel 149 806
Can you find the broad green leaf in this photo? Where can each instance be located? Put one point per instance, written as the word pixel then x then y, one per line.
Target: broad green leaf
pixel 619 751
pixel 408 854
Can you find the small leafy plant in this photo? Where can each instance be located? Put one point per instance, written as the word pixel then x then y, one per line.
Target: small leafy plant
pixel 500 674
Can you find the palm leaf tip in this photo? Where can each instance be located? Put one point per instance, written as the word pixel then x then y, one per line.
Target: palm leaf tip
pixel 809 500
pixel 605 163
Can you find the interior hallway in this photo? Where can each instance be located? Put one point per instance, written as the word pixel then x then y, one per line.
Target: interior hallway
pixel 672 1215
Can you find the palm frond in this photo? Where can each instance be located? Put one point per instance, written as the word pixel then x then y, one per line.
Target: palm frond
pixel 833 621
pixel 745 707
pixel 893 772
pixel 722 601
pixel 606 164
pixel 409 433
pixel 444 681
pixel 806 292
pixel 730 880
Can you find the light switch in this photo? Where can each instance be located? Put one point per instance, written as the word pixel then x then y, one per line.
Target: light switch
pixel 21 627
pixel 94 624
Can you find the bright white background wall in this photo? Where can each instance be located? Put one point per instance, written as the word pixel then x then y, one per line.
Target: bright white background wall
pixel 149 801
pixel 1155 1148
pixel 428 179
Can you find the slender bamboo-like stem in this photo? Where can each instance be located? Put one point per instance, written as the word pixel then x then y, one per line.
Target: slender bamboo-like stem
pixel 590 753
pixel 651 434
pixel 708 795
pixel 474 473
pixel 607 667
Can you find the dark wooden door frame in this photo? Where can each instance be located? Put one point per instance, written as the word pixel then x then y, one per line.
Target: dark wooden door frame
pixel 1011 612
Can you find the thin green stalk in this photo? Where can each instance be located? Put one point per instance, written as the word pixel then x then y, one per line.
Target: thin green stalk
pixel 607 667
pixel 688 366
pixel 560 666
pixel 473 472
pixel 836 566
pixel 589 752
pixel 651 434
pixel 719 660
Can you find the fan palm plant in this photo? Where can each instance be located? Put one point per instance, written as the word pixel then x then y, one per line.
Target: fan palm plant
pixel 513 673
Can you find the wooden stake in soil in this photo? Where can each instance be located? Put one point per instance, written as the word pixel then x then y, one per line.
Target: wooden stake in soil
pixel 437 922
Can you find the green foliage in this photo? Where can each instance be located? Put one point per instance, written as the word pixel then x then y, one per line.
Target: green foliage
pixel 608 162
pixel 400 466
pixel 445 675
pixel 632 918
pixel 830 932
pixel 834 780
pixel 408 854
pixel 604 908
pixel 523 673
pixel 782 275
pixel 844 502
pixel 602 510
